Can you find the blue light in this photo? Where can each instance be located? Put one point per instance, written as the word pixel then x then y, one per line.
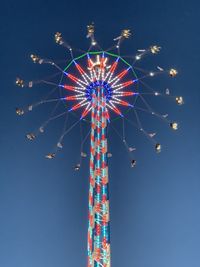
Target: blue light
pixel 94 85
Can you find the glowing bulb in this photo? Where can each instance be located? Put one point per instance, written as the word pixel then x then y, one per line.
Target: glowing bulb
pixel 151 74
pixel 137 57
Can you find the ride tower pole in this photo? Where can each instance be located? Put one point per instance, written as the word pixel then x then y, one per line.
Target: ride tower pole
pixel 99 220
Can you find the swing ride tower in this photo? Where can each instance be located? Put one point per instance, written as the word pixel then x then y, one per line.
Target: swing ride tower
pixel 103 84
pixel 98 89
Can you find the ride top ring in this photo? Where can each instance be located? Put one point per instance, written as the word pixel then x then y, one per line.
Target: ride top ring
pixel 105 70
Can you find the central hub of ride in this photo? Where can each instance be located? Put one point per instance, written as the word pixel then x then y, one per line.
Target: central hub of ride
pixel 107 90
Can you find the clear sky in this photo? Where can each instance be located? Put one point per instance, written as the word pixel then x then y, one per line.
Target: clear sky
pixel 155 215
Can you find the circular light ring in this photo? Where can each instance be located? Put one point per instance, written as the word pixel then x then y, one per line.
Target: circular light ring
pixel 107 87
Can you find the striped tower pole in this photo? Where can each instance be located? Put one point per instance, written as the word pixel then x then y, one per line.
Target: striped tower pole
pixel 99 221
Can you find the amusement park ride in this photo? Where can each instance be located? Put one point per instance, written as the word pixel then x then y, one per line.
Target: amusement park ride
pixel 102 84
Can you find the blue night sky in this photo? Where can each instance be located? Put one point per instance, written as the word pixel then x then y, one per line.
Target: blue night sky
pixel 155 214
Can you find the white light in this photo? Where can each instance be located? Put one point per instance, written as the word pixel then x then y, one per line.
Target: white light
pixel 98 60
pixel 137 57
pixel 151 74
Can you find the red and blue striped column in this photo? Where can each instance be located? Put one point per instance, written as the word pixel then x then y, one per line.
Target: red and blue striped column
pixel 99 221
